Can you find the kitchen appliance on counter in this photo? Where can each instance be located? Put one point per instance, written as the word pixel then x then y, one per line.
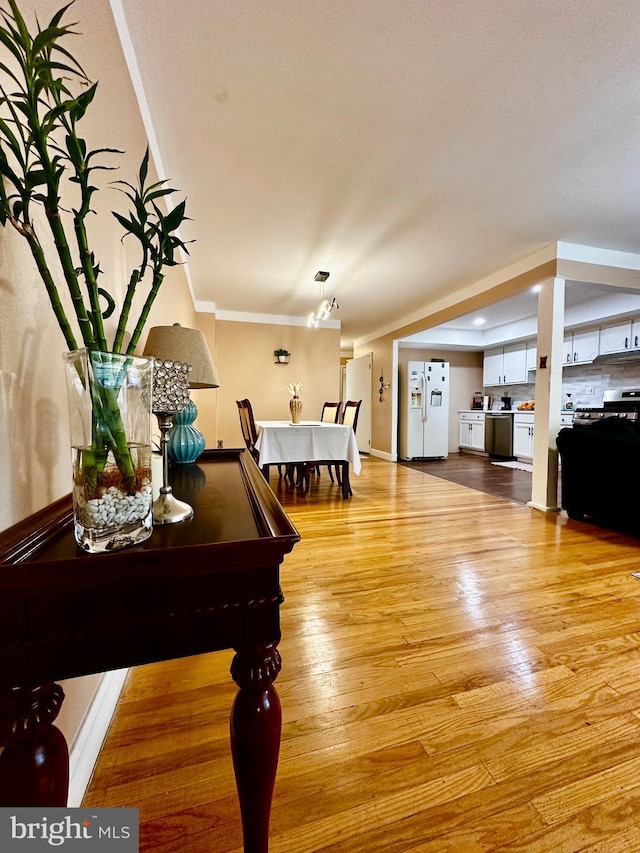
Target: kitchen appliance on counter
pixel 477 402
pixel 424 410
pixel 619 403
pixel 506 404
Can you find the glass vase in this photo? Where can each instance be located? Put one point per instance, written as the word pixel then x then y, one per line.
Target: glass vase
pixel 109 399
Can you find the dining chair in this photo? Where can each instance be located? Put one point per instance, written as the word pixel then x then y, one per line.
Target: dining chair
pixel 248 427
pixel 330 415
pixel 350 413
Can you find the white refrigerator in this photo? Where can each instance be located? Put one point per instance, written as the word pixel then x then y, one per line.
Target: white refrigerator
pixel 424 410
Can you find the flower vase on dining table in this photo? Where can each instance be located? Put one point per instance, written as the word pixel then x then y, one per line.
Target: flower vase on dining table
pixel 295 405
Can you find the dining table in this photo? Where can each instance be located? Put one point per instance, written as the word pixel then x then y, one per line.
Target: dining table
pixel 308 444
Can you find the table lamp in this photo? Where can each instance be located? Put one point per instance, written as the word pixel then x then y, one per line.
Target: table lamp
pixel 170 395
pixel 179 343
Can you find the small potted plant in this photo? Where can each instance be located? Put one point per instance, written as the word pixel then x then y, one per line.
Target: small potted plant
pixel 282 356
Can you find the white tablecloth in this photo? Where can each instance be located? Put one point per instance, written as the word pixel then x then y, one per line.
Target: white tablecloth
pixel 310 441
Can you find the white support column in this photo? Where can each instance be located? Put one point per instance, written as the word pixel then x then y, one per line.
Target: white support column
pixel 544 493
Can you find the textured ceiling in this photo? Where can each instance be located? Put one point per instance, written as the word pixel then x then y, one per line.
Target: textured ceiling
pixel 408 147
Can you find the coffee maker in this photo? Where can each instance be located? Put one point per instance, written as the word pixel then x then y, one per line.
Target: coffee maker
pixel 476 403
pixel 506 404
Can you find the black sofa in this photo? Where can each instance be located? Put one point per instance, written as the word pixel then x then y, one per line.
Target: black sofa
pixel 601 472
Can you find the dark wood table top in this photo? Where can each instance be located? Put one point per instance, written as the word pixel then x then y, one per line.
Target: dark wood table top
pixel 207 583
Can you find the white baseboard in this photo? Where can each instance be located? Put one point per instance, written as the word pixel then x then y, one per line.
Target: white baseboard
pixel 382 454
pixel 88 742
pixel 542 507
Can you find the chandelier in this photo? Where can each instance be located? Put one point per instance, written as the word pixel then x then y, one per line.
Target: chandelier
pixel 327 305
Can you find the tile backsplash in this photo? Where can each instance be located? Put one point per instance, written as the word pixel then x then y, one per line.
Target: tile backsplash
pixel 586 383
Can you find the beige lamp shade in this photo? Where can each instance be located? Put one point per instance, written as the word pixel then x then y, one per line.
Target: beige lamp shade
pixel 177 343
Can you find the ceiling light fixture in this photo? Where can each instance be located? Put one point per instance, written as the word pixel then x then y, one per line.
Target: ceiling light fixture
pixel 479 321
pixel 327 305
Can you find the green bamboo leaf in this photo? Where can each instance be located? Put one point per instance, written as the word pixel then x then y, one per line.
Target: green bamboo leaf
pixel 35 178
pixel 144 167
pixel 130 225
pixel 159 193
pixel 76 147
pixel 108 311
pixel 82 102
pixel 103 151
pixel 46 38
pixel 75 68
pixel 175 217
pixel 60 14
pixel 14 145
pixel 152 187
pixel 6 70
pixel 9 43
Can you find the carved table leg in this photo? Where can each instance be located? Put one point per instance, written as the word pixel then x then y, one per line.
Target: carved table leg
pixel 34 763
pixel 256 722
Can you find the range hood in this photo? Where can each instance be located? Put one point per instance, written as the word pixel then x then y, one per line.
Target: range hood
pixel 626 357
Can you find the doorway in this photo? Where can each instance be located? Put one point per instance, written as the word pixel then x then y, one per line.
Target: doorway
pixel 358 387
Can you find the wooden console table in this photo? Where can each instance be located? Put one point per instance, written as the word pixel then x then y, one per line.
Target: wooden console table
pixel 198 586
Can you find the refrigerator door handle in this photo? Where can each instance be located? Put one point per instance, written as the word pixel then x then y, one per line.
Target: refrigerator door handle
pixel 425 414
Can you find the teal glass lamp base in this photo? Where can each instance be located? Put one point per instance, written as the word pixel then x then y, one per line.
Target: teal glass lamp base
pixel 186 442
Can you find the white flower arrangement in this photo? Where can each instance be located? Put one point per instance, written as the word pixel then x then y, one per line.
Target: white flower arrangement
pixel 294 388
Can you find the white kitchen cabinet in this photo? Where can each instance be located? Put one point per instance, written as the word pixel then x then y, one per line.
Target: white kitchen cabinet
pixel 471 430
pixel 620 337
pixel 492 366
pixel 523 435
pixel 532 355
pixel 581 347
pixel 515 363
pixel 505 365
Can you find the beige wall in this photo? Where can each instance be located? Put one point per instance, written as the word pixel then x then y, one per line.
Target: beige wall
pixel 34 436
pixel 246 368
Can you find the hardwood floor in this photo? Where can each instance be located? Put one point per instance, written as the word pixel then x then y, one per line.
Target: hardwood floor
pixel 461 674
pixel 477 472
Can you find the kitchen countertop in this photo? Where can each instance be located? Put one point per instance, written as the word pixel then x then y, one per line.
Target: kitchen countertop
pixel 510 411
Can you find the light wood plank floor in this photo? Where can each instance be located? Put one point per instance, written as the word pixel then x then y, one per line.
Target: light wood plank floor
pixel 460 673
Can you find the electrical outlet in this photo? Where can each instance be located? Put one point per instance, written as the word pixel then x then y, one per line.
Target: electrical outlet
pixel 589 390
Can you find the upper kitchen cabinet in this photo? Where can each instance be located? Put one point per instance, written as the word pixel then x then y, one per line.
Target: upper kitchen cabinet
pixel 505 365
pixel 581 347
pixel 619 337
pixel 532 355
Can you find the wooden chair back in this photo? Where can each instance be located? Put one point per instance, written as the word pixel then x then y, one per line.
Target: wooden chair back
pixel 248 426
pixel 331 413
pixel 350 413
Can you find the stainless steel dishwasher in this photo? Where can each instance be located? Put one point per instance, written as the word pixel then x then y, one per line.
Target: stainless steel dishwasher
pixel 498 435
